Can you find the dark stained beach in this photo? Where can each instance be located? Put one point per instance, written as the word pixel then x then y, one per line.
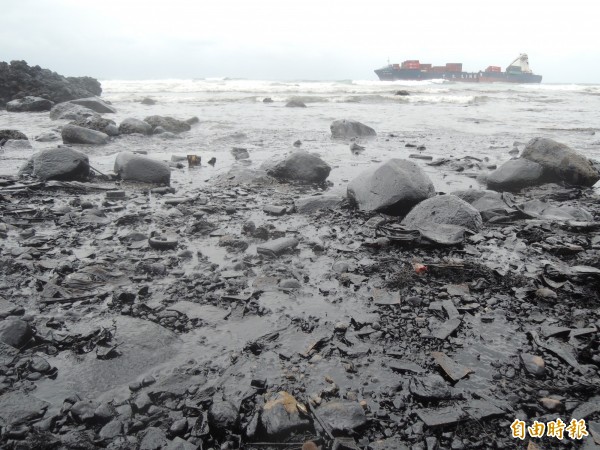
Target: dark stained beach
pixel 223 264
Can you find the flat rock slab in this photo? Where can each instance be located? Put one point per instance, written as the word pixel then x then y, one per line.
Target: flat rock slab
pixel 17 407
pixel 277 246
pixel 311 204
pixel 450 415
pixel 446 329
pixel 208 313
pixel 95 104
pixel 454 370
pixel 9 309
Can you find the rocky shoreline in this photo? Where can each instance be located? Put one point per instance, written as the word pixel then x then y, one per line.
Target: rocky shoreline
pixel 261 312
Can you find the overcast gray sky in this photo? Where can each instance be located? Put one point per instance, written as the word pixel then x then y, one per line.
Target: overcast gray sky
pixel 302 39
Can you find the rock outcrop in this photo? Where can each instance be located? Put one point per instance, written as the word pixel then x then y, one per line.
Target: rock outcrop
pixel 132 167
pixel 345 129
pixel 18 80
pixel 301 167
pixel 393 187
pixel 29 104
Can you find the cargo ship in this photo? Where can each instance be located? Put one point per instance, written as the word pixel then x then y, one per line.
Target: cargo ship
pixel 517 71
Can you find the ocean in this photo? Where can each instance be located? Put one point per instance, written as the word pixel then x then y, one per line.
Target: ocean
pixel 449 119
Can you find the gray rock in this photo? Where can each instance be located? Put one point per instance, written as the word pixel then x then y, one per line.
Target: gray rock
pixel 70 111
pixel 29 104
pixel 154 439
pixel 295 103
pixel 222 416
pixel 168 135
pixel 97 123
pixel 533 364
pixel 48 136
pixel 192 120
pixel 482 200
pixel 393 187
pixel 15 332
pixel 302 167
pixel 342 415
pixel 308 205
pixel 17 144
pixel 130 166
pixel 111 430
pixel 17 407
pixel 444 209
pixel 168 123
pixel 277 246
pixel 514 175
pixel 240 153
pixel 131 125
pixel 9 309
pixel 181 444
pixel 73 134
pixel 78 439
pixel 12 134
pixel 280 416
pixel 62 163
pixel 84 410
pixel 344 129
pixel 142 402
pixel 95 104
pixel 148 101
pixel 561 163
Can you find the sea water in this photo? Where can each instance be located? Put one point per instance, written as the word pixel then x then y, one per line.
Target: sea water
pixel 448 119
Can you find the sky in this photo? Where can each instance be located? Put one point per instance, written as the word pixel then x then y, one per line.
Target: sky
pixel 299 39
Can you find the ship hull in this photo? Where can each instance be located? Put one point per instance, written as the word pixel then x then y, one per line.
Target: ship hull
pixel 394 74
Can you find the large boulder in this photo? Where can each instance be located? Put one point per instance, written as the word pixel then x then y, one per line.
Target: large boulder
pixel 344 129
pixel 11 134
pixel 29 104
pixel 444 210
pixel 302 167
pixel 95 104
pixel 560 162
pixel 131 126
pixel 97 123
pixel 70 111
pixel 15 332
pixel 514 175
pixel 73 134
pixel 62 163
pixel 18 79
pixel 132 167
pixel 168 123
pixel 393 187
